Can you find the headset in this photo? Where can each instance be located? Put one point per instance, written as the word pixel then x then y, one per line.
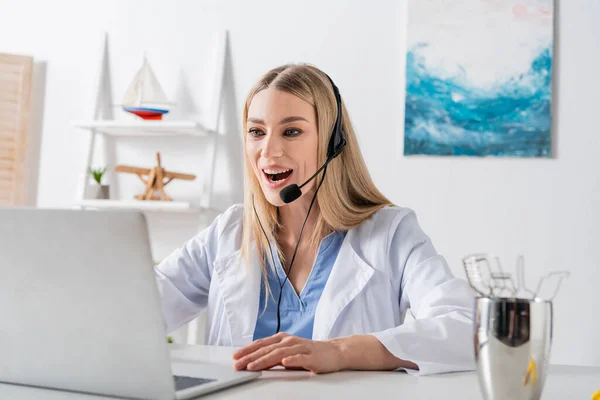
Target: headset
pixel 288 194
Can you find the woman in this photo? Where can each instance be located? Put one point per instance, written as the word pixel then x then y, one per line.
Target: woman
pixel 334 298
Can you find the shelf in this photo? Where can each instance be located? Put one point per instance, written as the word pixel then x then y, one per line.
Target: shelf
pixel 150 206
pixel 144 128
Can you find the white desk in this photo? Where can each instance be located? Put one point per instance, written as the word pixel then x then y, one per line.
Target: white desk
pixel 563 382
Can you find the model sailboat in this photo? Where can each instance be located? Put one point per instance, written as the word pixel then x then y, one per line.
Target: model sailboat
pixel 145 97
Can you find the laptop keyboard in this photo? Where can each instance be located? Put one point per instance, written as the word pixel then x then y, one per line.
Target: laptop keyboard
pixel 185 382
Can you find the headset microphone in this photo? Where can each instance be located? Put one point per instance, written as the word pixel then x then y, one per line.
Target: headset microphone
pixel 292 192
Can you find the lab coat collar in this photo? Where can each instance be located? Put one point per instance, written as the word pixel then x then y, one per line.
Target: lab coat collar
pixel 240 289
pixel 349 275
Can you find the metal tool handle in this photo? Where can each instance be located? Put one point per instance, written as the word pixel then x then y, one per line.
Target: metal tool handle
pixel 559 274
pixel 475 274
pixel 521 277
pixel 485 275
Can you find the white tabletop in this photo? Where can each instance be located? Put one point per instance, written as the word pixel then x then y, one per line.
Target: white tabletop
pixel 563 382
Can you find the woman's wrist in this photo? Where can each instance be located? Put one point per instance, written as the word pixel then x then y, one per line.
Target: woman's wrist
pixel 366 352
pixel 342 351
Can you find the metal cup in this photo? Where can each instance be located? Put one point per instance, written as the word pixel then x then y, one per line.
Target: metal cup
pixel 512 347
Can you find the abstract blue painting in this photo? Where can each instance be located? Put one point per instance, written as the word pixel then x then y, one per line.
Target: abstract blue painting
pixel 479 78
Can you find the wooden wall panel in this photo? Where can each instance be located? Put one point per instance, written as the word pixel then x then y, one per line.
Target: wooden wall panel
pixel 15 103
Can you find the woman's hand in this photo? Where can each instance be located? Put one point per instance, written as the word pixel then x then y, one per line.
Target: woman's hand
pixel 358 352
pixel 292 352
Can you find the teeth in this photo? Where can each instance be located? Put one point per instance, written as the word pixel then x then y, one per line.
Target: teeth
pixel 275 171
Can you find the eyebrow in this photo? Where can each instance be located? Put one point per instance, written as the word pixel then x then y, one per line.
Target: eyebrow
pixel 286 120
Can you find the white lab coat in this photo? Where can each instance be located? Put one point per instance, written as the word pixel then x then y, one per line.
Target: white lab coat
pixel 384 267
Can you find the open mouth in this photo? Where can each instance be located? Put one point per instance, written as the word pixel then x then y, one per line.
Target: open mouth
pixel 276 176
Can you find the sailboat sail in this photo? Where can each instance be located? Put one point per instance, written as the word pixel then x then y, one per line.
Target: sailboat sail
pixel 145 91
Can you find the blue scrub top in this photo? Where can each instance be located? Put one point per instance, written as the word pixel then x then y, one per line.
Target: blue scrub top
pixel 297 311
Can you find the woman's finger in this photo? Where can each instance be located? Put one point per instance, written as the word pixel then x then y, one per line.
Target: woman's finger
pixel 296 361
pixel 257 344
pixel 245 360
pixel 275 357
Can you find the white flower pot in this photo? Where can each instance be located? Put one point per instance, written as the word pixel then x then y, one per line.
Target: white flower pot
pixel 100 192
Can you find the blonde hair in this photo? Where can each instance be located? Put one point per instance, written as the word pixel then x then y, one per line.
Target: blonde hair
pixel 347 196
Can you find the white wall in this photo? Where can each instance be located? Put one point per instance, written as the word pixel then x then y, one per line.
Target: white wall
pixel 546 209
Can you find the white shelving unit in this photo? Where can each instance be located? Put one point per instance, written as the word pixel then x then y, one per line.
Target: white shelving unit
pixel 145 128
pixel 206 130
pixel 155 206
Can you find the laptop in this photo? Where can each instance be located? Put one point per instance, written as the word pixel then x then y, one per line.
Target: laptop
pixel 80 309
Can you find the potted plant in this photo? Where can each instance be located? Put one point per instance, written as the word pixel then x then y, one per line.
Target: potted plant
pixel 98 190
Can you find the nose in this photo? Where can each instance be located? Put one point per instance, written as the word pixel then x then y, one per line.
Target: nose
pixel 272 146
